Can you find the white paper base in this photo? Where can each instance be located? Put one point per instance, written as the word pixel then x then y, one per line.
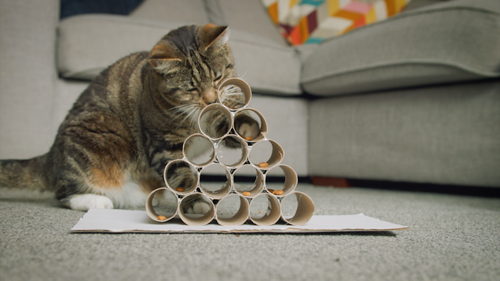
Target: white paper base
pixel 120 221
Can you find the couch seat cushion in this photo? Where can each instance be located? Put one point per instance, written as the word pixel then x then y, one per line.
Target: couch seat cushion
pixel 87 44
pixel 441 43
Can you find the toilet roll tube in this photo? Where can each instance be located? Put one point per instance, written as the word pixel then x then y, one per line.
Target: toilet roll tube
pixel 232 157
pixel 196 209
pixel 291 179
pixel 252 113
pixel 254 188
pixel 234 93
pixel 178 179
pixel 304 208
pixel 191 150
pixel 265 215
pixel 217 193
pixel 210 116
pixel 276 156
pixel 158 199
pixel 225 214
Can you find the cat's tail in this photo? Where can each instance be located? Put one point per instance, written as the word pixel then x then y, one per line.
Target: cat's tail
pixel 23 173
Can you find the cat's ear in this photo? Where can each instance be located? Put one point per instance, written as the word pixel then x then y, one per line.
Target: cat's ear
pixel 163 58
pixel 214 36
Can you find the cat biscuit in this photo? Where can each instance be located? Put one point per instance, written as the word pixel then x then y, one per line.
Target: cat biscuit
pixel 278 192
pixel 263 164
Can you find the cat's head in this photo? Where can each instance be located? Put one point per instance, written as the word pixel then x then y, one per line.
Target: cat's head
pixel 190 63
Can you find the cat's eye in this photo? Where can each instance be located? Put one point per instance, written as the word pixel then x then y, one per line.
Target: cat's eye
pixel 193 90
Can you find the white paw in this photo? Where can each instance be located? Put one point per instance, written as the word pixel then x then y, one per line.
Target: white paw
pixel 84 202
pixel 248 130
pixel 199 207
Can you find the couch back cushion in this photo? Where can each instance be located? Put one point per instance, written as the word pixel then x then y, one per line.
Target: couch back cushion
pixel 87 44
pixel 441 43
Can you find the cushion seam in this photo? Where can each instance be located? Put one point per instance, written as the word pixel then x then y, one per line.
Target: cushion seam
pixel 408 62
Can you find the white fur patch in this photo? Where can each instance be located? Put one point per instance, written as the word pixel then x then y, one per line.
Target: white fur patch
pixel 130 195
pixel 84 202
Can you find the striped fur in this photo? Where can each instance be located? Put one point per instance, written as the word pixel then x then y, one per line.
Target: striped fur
pixel 112 148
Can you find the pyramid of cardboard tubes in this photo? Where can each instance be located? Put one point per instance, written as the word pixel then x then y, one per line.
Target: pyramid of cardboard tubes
pixel 232 203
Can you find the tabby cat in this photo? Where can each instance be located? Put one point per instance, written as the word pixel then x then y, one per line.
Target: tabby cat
pixel 111 150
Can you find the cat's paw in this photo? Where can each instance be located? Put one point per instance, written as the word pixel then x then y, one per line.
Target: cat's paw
pixel 246 126
pixel 198 207
pixel 248 130
pixel 84 202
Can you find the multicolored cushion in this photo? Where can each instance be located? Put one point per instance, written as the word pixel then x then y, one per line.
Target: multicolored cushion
pixel 312 21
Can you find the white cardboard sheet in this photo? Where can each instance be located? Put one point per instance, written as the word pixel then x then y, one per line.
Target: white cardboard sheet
pixel 127 221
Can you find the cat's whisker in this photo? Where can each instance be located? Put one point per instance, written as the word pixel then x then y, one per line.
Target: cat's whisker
pixel 187 114
pixel 230 99
pixel 180 110
pixel 191 113
pixel 194 119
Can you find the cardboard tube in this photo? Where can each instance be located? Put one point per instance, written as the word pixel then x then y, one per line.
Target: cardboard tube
pixel 262 122
pixel 265 214
pixel 229 212
pixel 216 193
pixel 229 156
pixel 234 93
pixel 158 203
pixel 291 179
pixel 208 117
pixel 191 150
pixel 177 182
pixel 196 209
pixel 276 156
pixel 254 188
pixel 304 208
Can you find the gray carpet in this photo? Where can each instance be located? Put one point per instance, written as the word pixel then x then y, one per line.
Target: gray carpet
pixel 452 237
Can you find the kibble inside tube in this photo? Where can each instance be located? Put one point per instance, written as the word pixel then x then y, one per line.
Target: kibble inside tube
pixel 162 204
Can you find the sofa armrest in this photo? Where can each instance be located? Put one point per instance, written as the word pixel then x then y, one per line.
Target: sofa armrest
pixel 27 75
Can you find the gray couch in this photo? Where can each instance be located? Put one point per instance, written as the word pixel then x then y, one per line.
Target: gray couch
pixel 414 98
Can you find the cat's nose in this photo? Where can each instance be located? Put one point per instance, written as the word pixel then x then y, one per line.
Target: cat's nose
pixel 210 96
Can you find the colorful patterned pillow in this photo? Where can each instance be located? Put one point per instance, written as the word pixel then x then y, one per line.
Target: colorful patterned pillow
pixel 312 21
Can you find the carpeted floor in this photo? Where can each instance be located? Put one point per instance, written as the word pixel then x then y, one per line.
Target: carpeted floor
pixel 452 237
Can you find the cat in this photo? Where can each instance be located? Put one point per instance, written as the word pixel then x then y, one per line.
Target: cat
pixel 112 147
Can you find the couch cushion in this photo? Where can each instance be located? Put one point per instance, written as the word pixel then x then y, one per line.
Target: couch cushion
pixel 441 134
pixel 87 44
pixel 244 15
pixel 191 12
pixel 441 43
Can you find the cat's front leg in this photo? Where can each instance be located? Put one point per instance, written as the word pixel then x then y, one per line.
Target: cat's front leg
pixel 165 150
